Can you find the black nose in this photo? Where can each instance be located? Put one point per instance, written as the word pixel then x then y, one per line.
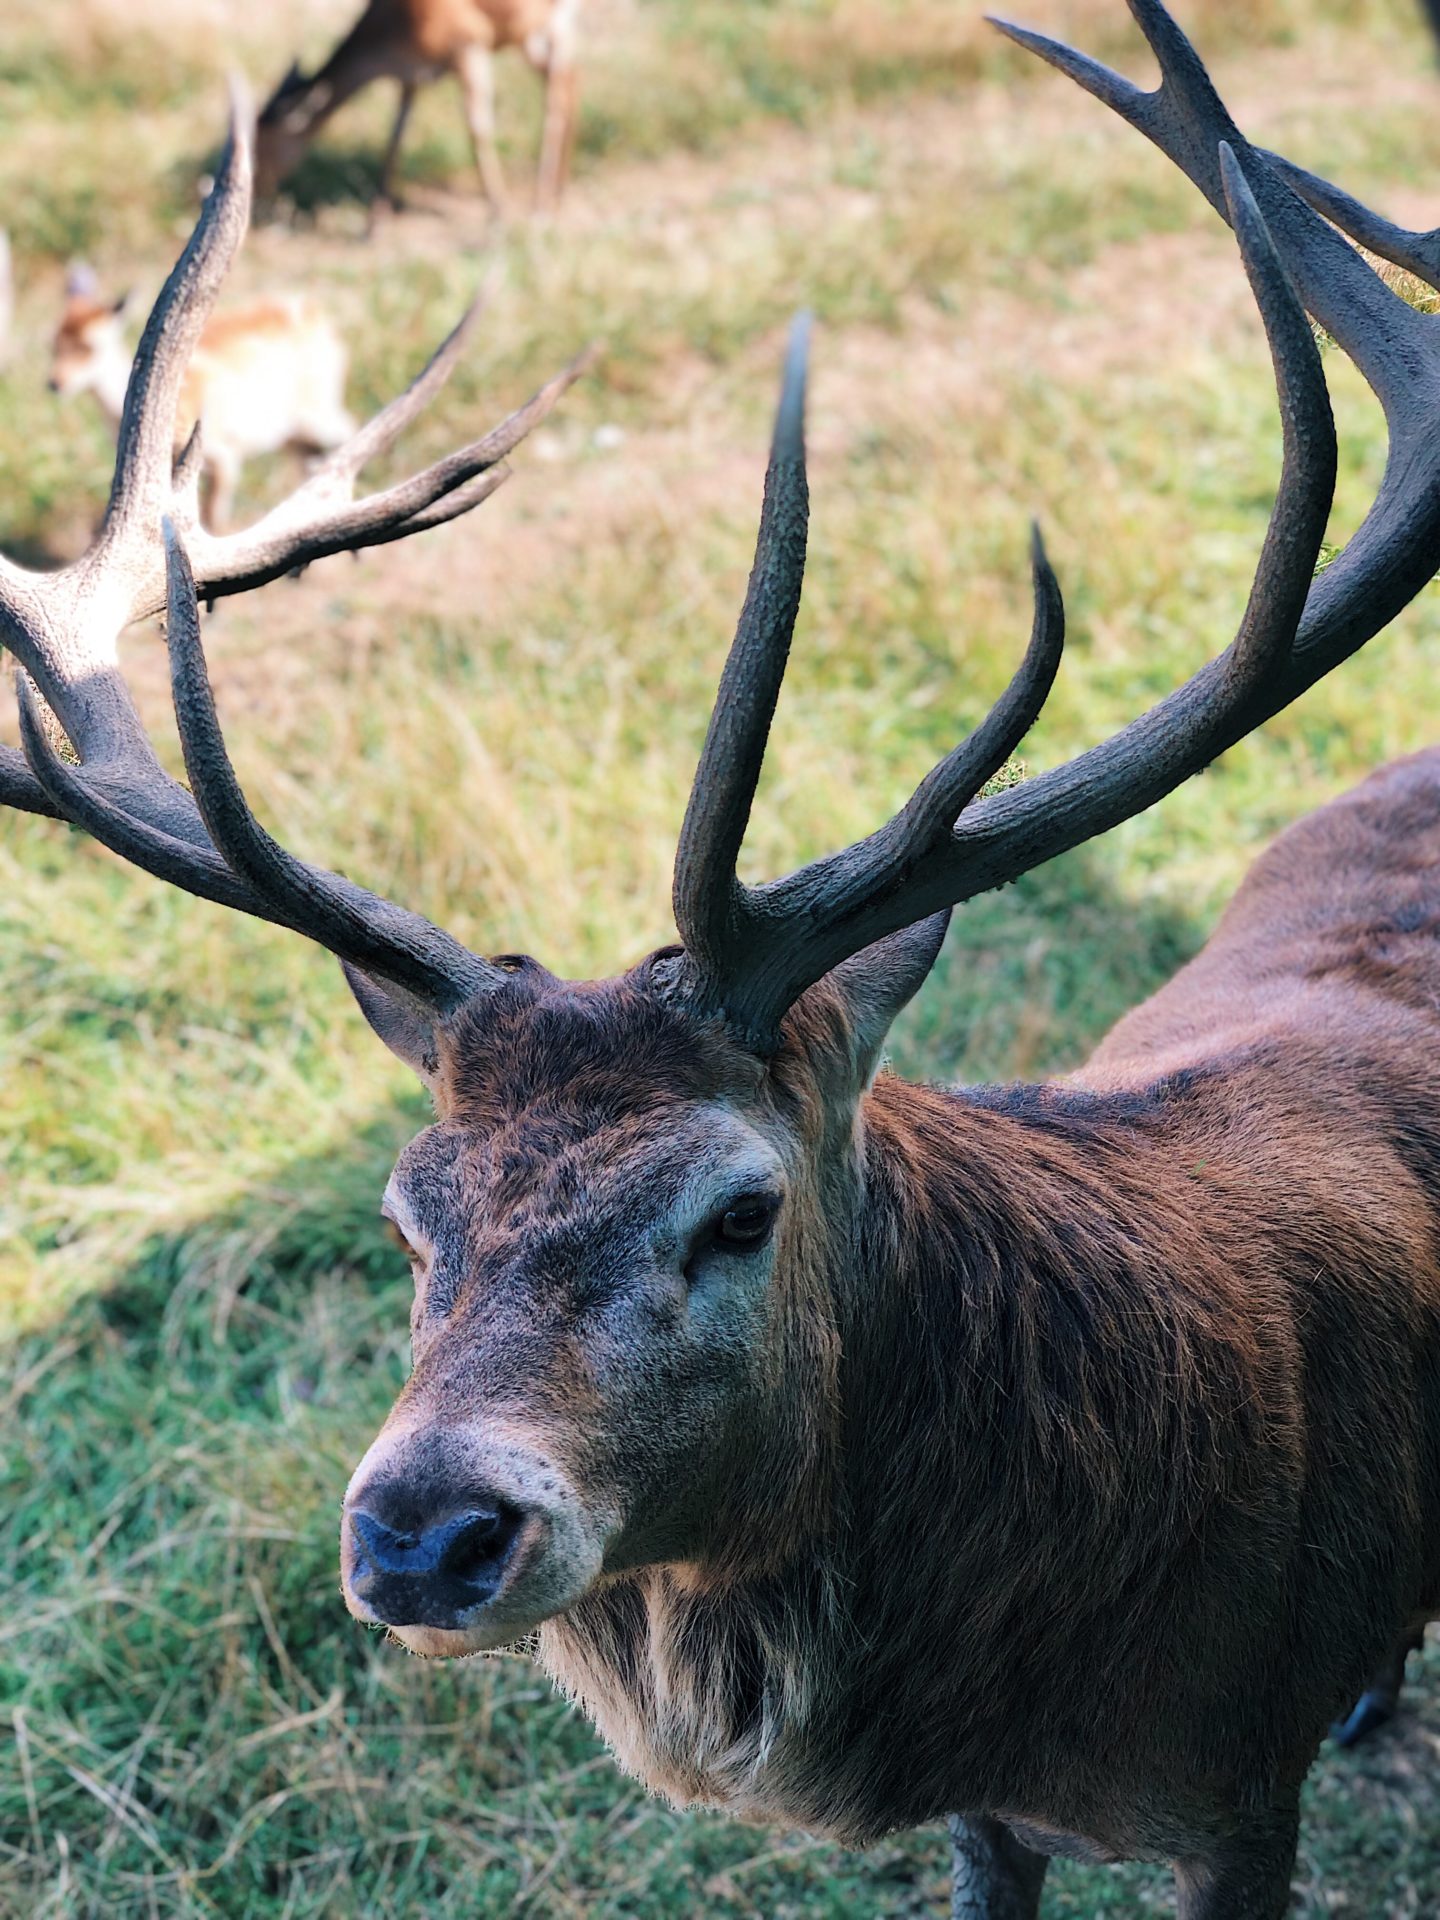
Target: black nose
pixel 53 384
pixel 428 1570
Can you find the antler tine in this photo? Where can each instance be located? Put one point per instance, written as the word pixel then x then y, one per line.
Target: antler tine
pixel 708 898
pixel 379 434
pixel 949 788
pixel 20 789
pixel 451 506
pixel 76 796
pixel 1418 253
pixel 309 524
pixel 758 949
pixel 373 934
pixel 141 488
pixel 1132 103
pixel 63 627
pixel 1188 121
pixel 1296 531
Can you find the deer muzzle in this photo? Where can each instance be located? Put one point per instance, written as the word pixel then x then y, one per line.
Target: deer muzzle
pixel 430 1571
pixel 461 1542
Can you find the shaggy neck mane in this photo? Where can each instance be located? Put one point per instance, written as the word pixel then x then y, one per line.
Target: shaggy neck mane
pixel 1052 1362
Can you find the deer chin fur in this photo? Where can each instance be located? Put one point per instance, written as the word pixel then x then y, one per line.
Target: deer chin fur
pixel 712 1694
pixel 434 1643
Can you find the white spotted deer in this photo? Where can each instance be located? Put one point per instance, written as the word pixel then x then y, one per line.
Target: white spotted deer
pixel 1058 1458
pixel 267 377
pixel 418 41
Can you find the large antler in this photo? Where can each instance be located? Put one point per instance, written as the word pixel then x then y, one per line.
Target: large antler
pixel 753 951
pixel 63 628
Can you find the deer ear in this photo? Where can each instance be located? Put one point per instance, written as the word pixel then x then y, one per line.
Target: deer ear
pixel 408 1034
pixel 878 981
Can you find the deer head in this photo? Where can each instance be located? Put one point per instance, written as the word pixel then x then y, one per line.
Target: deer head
pixel 625 1221
pixel 88 353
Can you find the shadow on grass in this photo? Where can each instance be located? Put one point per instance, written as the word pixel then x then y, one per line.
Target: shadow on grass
pixel 336 175
pixel 200 1730
pixel 327 175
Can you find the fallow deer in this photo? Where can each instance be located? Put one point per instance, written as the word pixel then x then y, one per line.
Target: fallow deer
pixel 417 41
pixel 1058 1458
pixel 263 378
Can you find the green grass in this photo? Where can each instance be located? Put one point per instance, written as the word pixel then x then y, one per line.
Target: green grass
pixel 1022 310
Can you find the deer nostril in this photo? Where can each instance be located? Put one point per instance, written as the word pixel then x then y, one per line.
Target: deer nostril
pixel 413 1566
pixel 473 1543
pixel 467 1546
pixel 386 1548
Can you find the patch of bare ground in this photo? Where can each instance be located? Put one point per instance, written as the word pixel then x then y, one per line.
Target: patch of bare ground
pixel 83 28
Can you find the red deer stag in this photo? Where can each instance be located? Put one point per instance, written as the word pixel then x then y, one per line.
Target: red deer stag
pixel 1059 1458
pixel 416 41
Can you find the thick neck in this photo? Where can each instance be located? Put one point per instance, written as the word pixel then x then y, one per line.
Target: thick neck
pixel 1054 1374
pixel 355 63
pixel 1050 1312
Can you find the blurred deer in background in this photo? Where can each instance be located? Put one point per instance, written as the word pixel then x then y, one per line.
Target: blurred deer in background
pixel 263 378
pixel 1060 1458
pixel 415 42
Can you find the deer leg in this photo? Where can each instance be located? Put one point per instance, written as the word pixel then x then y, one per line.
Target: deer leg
pixel 385 193
pixel 218 481
pixel 1247 1877
pixel 557 144
pixel 1381 1698
pixel 477 80
pixel 993 1876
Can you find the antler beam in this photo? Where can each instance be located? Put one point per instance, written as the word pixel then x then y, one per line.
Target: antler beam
pixel 754 950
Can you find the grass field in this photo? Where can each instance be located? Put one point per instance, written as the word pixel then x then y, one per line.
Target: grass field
pixel 1022 309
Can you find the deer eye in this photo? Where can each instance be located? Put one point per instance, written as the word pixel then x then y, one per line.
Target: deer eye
pixel 745 1224
pixel 393 1232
